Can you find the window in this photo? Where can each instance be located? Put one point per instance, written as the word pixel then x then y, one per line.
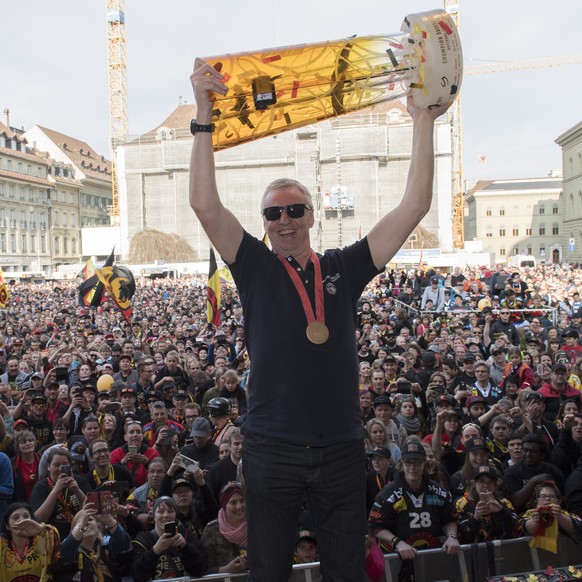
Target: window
pixel 20 167
pixel 23 245
pixel 502 212
pixel 489 235
pixel 555 209
pixel 65 246
pixel 515 251
pixel 30 195
pixel 33 243
pixel 1 189
pixel 2 242
pixel 13 243
pixel 74 246
pixel 29 169
pixel 10 191
pixel 528 232
pixel 489 212
pixel 501 252
pixel 22 194
pixel 72 198
pixel 555 229
pixel 542 230
pixel 57 248
pixel 73 219
pixel 542 209
pixel 64 197
pixel 43 244
pixel 515 232
pixel 502 231
pixel 56 217
pixel 528 249
pixel 64 219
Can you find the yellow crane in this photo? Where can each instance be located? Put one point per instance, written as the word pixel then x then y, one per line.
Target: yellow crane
pixel 117 75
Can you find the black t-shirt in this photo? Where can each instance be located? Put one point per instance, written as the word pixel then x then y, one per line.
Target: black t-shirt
pixel 291 378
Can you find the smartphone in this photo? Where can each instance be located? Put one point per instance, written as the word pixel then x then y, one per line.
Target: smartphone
pixel 66 470
pixel 132 449
pixel 170 528
pixel 167 440
pixel 485 497
pixel 101 501
pixel 189 464
pixel 112 407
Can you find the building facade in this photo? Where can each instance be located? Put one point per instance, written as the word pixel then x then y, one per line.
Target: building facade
pixel 570 143
pixel 356 167
pixel 517 216
pixel 25 187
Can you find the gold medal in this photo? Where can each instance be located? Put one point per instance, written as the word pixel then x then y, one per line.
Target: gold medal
pixel 317 332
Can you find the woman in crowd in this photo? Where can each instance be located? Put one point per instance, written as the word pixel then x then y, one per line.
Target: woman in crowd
pixel 28 550
pixel 408 416
pixel 484 514
pixel 225 539
pixel 476 455
pixel 25 465
pixel 567 407
pixel 376 434
pixel 166 551
pixel 108 425
pixel 413 510
pixel 365 378
pixel 141 500
pixel 58 497
pixel 60 432
pixel 434 469
pixel 88 552
pixel 548 518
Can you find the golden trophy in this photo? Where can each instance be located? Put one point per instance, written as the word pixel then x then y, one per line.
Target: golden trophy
pixel 278 89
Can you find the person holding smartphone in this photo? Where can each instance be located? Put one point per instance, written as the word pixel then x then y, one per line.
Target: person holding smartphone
pixel 166 551
pixel 484 513
pixel 59 496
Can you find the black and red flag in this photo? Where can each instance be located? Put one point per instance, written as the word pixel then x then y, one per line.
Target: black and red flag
pixel 213 292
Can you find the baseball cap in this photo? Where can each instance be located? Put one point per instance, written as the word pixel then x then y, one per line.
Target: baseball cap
pixel 380 451
pixel 475 400
pixel 530 396
pixel 413 450
pixel 182 483
pixel 476 444
pixel 305 534
pixel 382 400
pixel 200 428
pixel 559 367
pixel 486 471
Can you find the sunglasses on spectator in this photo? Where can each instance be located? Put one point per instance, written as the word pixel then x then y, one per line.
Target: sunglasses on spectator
pixel 293 211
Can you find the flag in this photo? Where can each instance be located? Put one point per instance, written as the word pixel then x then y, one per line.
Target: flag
pixel 91 290
pixel 87 271
pixel 118 282
pixel 266 239
pixel 420 271
pixel 4 294
pixel 213 292
pixel 225 274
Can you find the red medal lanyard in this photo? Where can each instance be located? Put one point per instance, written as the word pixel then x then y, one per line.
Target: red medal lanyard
pixel 319 314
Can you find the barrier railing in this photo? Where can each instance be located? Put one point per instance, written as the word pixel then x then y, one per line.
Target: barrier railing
pixel 474 563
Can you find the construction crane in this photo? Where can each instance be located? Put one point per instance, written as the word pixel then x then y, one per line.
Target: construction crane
pixel 117 75
pixel 452 7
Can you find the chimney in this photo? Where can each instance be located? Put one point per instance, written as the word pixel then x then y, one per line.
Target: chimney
pixel 6 117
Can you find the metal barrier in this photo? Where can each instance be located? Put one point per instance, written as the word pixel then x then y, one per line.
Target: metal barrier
pixel 475 563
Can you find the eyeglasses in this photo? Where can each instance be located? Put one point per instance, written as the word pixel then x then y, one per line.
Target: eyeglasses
pixel 101 452
pixel 547 497
pixel 412 463
pixel 504 313
pixel 293 211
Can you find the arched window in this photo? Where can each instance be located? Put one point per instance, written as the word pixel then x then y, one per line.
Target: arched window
pixel 542 229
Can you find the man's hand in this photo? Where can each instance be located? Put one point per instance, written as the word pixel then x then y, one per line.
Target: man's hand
pixel 451 546
pixel 205 80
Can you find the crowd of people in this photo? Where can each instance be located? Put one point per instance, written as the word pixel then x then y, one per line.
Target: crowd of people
pixel 122 442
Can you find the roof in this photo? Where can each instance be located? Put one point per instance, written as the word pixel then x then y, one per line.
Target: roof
pixel 484 187
pixel 180 118
pixel 82 155
pixel 8 132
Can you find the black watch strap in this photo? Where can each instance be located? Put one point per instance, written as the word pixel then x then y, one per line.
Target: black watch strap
pixel 196 127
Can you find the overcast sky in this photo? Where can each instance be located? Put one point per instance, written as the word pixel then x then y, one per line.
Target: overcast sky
pixel 54 66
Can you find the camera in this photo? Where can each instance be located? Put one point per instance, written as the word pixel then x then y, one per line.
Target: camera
pixel 403 387
pixel 66 470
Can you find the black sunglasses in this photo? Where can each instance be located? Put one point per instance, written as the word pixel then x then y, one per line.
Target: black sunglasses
pixel 292 210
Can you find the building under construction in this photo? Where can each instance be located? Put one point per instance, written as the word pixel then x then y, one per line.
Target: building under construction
pixel 355 166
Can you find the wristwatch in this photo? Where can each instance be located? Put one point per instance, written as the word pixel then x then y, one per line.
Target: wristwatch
pixel 196 127
pixel 452 536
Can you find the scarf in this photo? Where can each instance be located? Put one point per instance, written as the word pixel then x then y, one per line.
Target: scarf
pixel 411 425
pixel 546 535
pixel 235 535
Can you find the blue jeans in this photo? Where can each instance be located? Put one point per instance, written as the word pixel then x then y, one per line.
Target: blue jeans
pixel 278 476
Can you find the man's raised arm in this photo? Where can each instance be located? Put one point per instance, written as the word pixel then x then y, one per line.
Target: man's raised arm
pixel 222 227
pixel 390 233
